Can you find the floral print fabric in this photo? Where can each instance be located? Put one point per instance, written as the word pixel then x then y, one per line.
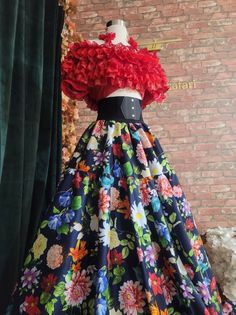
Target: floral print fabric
pixel 119 237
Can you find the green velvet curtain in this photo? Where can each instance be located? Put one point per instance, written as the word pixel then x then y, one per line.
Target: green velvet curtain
pixel 30 126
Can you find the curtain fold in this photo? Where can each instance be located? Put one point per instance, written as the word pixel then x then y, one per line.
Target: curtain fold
pixel 30 126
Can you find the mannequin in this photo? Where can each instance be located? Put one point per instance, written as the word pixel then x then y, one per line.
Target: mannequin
pixel 118 27
pixel 118 188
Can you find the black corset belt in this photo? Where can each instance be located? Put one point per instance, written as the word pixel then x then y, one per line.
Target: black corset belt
pixel 120 108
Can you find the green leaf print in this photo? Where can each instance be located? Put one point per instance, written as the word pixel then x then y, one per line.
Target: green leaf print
pixel 172 217
pixel 170 310
pixel 150 218
pixel 125 146
pixel 116 280
pixel 176 223
pixel 50 306
pixel 91 303
pixel 76 204
pixel 86 181
pixel 139 230
pixel 164 242
pixel 136 170
pixel 128 169
pixel 27 260
pixel 65 307
pixel 55 210
pixel 44 297
pixel 43 224
pixel 124 242
pixel 89 209
pixel 86 189
pixel 131 245
pixel 147 237
pixel 163 163
pixel 64 229
pixel 191 253
pixel 130 153
pixel 119 271
pixel 59 289
pixel 169 226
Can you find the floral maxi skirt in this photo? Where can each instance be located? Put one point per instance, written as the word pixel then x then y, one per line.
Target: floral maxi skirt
pixel 119 236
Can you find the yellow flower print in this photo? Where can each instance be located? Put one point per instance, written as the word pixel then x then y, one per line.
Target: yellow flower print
pixel 39 246
pixel 114 240
pixel 156 311
pixel 117 130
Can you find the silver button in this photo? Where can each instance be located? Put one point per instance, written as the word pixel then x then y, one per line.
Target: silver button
pixel 132 107
pixel 133 115
pixel 132 99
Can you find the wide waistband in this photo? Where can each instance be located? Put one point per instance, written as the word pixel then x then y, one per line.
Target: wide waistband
pixel 120 108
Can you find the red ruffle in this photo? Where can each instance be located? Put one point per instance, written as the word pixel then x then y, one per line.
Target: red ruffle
pixel 91 71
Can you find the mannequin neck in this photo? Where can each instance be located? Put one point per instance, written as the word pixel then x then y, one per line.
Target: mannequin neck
pixel 121 34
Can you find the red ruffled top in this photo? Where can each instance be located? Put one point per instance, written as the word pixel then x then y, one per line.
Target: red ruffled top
pixel 92 71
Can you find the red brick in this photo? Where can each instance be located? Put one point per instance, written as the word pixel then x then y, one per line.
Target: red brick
pixel 207 3
pixel 219 188
pixel 147 9
pixel 204 218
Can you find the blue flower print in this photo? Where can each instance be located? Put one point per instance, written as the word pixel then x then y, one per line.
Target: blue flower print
pixel 54 222
pixel 65 199
pixel 101 282
pixel 68 216
pixel 107 181
pixel 101 307
pixel 117 170
pixel 163 231
pixel 155 204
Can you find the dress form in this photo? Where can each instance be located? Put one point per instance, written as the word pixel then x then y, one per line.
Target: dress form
pixel 121 37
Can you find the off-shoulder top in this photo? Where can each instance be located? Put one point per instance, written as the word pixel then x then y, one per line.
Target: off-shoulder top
pixel 92 71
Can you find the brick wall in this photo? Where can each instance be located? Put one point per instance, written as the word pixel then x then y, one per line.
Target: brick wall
pixel 196 126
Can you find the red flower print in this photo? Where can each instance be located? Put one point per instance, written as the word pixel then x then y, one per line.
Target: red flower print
pixel 140 153
pixel 164 187
pixel 116 149
pixel 155 283
pixel 122 183
pixel 97 131
pixel 189 270
pixel 125 206
pixel 168 269
pixel 211 311
pixel 189 224
pixel 109 264
pixel 213 283
pixel 77 180
pixel 227 308
pixel 196 246
pixel 126 138
pixel 140 254
pixel 92 176
pixel 31 305
pixel 104 200
pixel 206 312
pixel 145 193
pixel 48 282
pixel 177 191
pixel 116 257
